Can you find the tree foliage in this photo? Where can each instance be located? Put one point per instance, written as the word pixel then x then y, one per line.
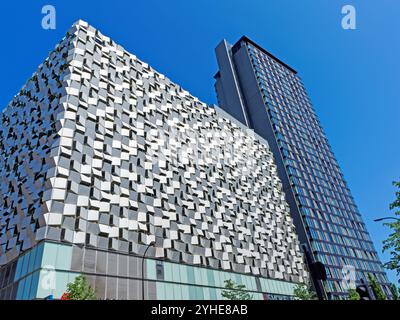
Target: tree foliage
pixel 392 243
pixel 379 294
pixel 395 291
pixel 304 292
pixel 353 294
pixel 80 289
pixel 235 291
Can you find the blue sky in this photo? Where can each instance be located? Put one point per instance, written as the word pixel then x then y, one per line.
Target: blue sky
pixel 352 76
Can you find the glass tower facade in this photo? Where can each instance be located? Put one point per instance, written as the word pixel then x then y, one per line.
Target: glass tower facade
pixel 272 100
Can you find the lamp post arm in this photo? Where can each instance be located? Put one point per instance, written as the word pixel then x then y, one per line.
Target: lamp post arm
pixel 387 218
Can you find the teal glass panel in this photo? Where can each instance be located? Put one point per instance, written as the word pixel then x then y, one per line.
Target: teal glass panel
pixel 64 256
pixel 34 285
pixel 177 292
pixel 49 255
pixel 270 286
pixel 264 285
pixel 213 293
pixel 197 276
pixel 28 281
pixel 25 263
pixel 253 284
pixel 192 293
pixel 31 263
pixel 223 277
pixel 250 282
pixel 38 256
pixel 204 278
pixel 190 274
pixel 219 294
pixel 176 275
pixel 20 291
pixel 183 274
pixel 169 290
pixel 72 276
pixel 237 278
pixel 245 281
pixel 199 293
pixel 291 289
pixel 206 293
pixel 45 285
pixel 18 269
pixel 285 287
pixel 160 291
pixel 210 277
pixel 168 271
pixel 282 287
pixel 279 286
pixel 217 279
pixel 257 296
pixel 61 284
pixel 185 293
pixel 229 276
pixel 274 287
pixel 151 269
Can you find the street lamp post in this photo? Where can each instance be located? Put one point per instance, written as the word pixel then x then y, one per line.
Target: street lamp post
pixel 143 258
pixel 386 218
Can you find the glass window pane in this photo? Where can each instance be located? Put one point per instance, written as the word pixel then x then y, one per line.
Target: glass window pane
pixel 133 271
pixel 64 256
pixel 122 266
pixel 101 262
pixel 112 264
pixel 89 260
pixel 122 288
pixel 111 288
pixel 77 259
pixel 49 255
pixel 100 287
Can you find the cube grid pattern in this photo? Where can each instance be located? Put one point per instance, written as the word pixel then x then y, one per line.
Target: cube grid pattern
pixel 100 149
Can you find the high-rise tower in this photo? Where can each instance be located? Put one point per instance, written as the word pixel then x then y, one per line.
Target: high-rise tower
pixel 268 96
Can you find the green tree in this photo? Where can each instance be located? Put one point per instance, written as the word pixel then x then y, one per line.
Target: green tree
pixel 235 291
pixel 303 292
pixel 392 243
pixel 395 291
pixel 353 295
pixel 379 294
pixel 80 289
